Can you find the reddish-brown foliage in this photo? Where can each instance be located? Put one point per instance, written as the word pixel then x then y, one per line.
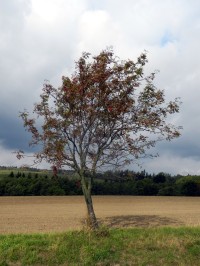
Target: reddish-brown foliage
pixel 107 112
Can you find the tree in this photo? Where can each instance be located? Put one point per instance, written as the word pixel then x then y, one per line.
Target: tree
pixel 108 113
pixel 159 178
pixel 190 188
pixel 11 174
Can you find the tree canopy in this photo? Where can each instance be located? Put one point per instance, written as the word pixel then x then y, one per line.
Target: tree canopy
pixel 108 112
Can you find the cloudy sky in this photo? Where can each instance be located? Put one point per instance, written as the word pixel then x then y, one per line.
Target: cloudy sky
pixel 41 39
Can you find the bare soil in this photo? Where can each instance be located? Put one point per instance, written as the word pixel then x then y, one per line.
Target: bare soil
pixel 58 214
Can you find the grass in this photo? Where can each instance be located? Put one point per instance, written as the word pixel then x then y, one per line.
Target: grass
pixel 151 246
pixel 6 172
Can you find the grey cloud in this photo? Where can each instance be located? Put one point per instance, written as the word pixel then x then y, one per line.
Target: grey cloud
pixel 13 13
pixel 35 47
pixel 29 55
pixel 12 133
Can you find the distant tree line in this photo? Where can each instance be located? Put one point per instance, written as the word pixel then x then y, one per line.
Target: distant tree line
pixel 107 183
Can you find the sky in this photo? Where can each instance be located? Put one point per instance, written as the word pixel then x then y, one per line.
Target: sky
pixel 41 39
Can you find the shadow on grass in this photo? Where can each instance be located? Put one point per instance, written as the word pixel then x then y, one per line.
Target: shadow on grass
pixel 139 221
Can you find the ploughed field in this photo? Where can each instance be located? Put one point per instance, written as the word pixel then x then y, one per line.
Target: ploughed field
pixel 62 213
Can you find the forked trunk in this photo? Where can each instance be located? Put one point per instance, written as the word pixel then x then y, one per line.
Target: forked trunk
pixel 91 218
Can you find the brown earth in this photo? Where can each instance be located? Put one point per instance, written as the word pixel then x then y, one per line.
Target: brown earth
pixel 57 214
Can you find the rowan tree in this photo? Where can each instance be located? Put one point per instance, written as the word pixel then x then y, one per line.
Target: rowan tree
pixel 107 113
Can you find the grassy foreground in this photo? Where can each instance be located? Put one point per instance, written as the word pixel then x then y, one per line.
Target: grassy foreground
pixel 158 246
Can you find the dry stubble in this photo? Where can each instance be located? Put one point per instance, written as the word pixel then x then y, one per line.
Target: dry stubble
pixel 57 214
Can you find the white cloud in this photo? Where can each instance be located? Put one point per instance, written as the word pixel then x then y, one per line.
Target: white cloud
pixel 97 31
pixel 8 158
pixel 173 164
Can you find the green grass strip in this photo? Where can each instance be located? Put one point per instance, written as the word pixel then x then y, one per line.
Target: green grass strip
pixel 159 246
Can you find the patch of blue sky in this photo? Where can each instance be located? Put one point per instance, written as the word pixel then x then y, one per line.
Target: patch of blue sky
pixel 167 38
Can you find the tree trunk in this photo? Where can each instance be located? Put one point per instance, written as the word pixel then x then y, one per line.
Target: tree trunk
pixel 91 219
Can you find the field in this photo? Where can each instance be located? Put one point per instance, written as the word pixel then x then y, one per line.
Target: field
pixel 168 231
pixel 6 172
pixel 59 214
